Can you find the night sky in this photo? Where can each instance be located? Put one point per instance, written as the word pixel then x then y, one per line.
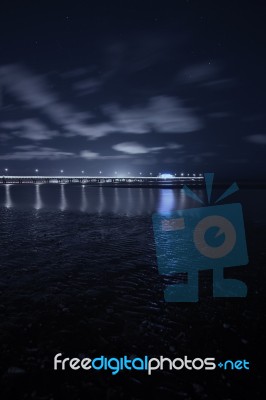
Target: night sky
pixel 113 86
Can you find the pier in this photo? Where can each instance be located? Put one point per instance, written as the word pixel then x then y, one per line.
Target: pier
pixel 144 181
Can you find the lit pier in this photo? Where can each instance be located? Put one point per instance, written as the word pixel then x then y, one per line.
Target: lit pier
pixel 108 180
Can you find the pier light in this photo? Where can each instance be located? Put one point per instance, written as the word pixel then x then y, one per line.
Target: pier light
pixel 182 174
pixel 166 176
pixel 187 174
pixel 100 172
pixel 175 174
pixel 82 172
pixel 140 173
pixel 62 171
pixel 150 173
pixel 200 174
pixel 194 174
pixel 36 170
pixel 6 169
pixel 115 172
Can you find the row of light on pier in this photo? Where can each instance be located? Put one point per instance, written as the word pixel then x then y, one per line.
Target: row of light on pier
pixel 116 173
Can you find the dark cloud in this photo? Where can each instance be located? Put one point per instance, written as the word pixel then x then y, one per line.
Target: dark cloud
pixel 34 92
pixel 90 155
pixel 87 86
pixel 31 129
pixel 39 153
pixel 198 73
pixel 257 139
pixel 161 114
pixel 225 83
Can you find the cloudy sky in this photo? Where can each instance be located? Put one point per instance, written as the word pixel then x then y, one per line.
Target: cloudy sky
pixel 163 87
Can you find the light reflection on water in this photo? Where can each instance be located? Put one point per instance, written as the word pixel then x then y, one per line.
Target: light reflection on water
pixel 116 202
pixel 63 201
pixel 167 201
pixel 38 203
pixel 151 200
pixel 84 201
pixel 100 200
pixel 141 201
pixel 130 203
pixel 8 201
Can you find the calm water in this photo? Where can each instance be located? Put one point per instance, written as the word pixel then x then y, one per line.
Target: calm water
pixel 122 201
pixel 79 275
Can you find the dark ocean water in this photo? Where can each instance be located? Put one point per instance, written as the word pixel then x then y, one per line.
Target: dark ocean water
pixel 79 276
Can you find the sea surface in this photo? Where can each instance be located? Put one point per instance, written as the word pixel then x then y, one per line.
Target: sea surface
pixel 79 276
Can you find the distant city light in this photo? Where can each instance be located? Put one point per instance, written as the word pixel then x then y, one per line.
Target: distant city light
pixel 6 169
pixel 100 172
pixel 150 173
pixel 115 172
pixel 82 172
pixel 140 173
pixel 62 171
pixel 182 174
pixel 36 170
